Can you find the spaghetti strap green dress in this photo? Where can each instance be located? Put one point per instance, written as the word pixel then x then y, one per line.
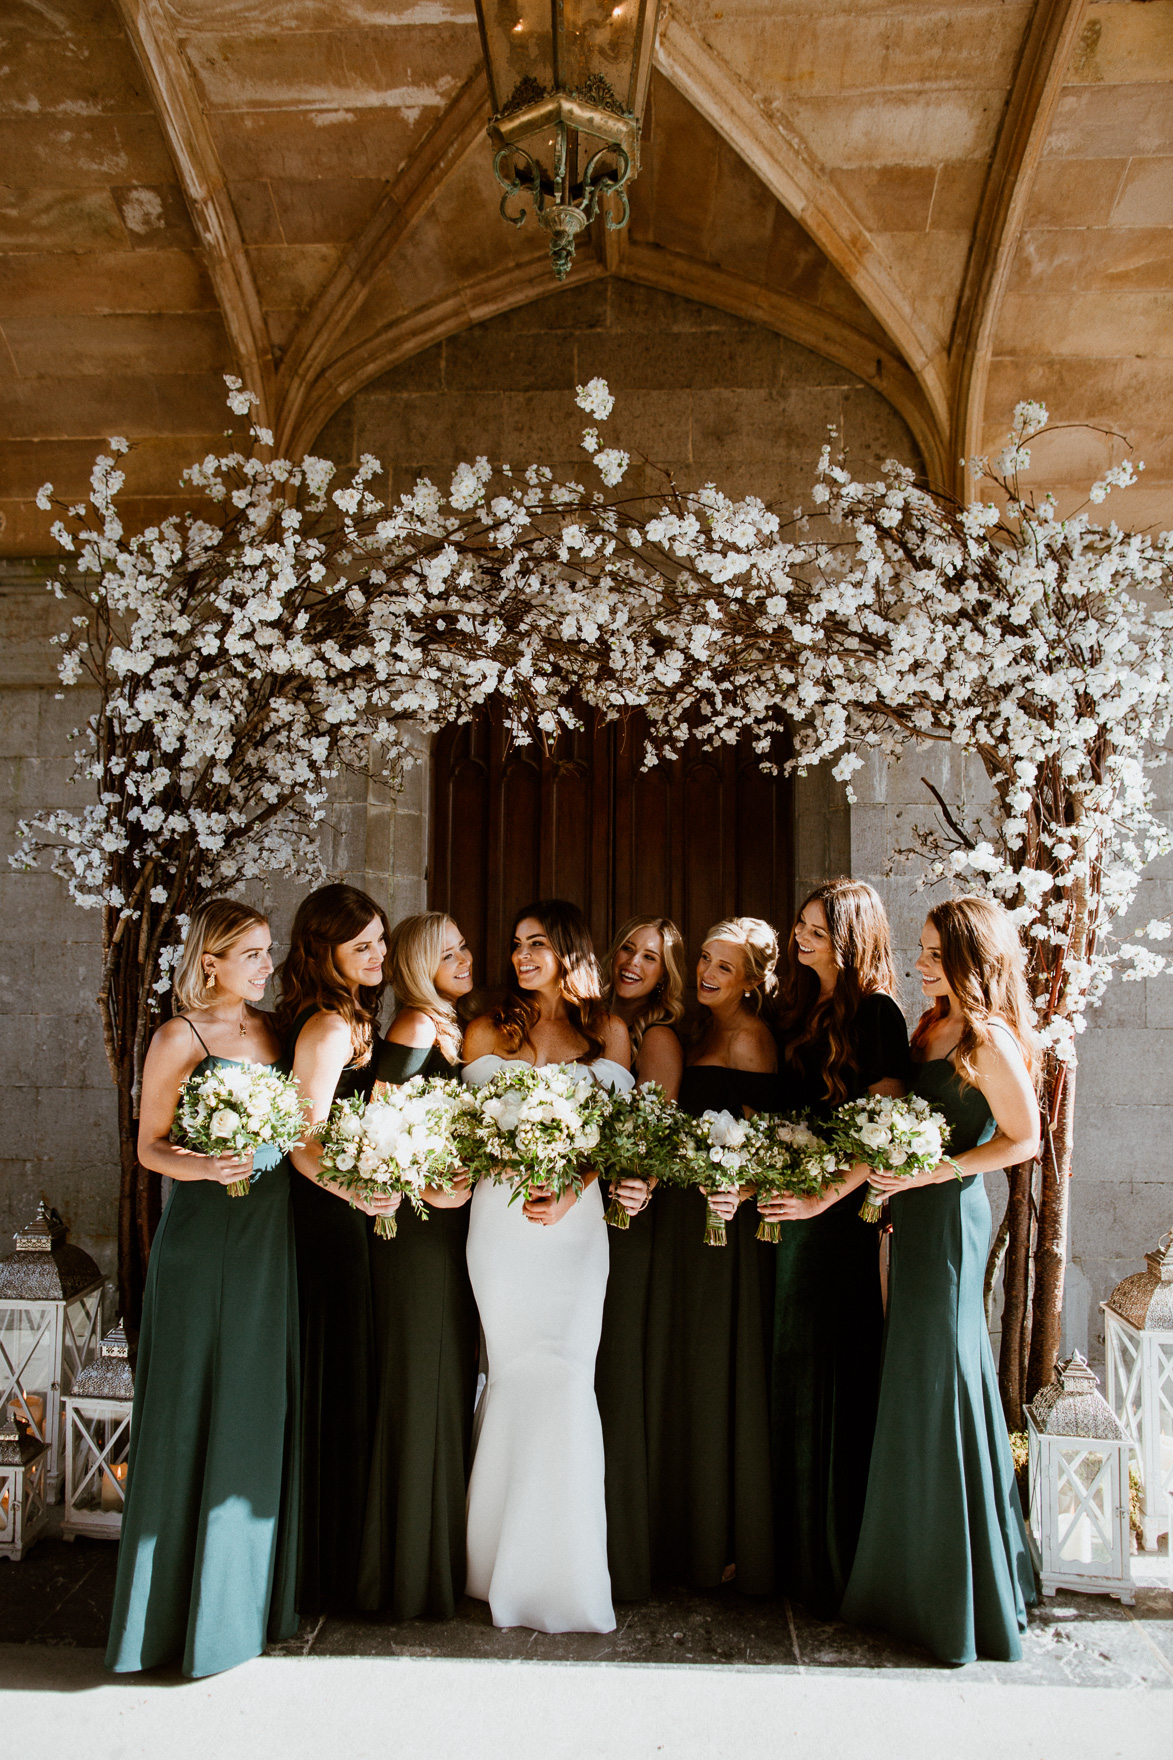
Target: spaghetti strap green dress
pixel 943 1559
pixel 828 1332
pixel 207 1554
pixel 426 1342
pixel 710 1321
pixel 337 1366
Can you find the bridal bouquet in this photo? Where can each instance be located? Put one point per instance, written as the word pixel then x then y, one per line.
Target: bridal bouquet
pixel 713 1152
pixel 402 1141
pixel 640 1138
pixel 234 1108
pixel 893 1136
pixel 788 1157
pixel 536 1127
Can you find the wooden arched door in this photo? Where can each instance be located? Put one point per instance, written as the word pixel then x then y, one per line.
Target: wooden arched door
pixel 707 835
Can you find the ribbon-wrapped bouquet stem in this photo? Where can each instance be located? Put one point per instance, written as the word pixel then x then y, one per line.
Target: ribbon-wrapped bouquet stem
pixel 236 1108
pixel 403 1139
pixel 904 1137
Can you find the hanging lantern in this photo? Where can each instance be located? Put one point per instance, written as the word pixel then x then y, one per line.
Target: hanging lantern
pixel 1138 1336
pixel 1079 1485
pixel 22 1488
pixel 50 1320
pixel 567 81
pixel 97 1441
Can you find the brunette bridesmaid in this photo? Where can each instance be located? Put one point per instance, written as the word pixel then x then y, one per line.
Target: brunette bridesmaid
pixel 710 1308
pixel 840 1035
pixel 332 982
pixel 206 1560
pixel 943 1557
pixel 426 1327
pixel 645 988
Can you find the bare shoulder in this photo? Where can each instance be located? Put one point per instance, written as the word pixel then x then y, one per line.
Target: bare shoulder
pixel 752 1048
pixel 412 1027
pixel 664 1041
pixel 617 1041
pixel 480 1038
pixel 1000 1050
pixel 324 1031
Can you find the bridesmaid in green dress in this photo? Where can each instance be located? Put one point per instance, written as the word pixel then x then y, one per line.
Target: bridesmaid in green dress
pixel 426 1327
pixel 840 1035
pixel 645 988
pixel 332 982
pixel 206 1561
pixel 710 1308
pixel 943 1558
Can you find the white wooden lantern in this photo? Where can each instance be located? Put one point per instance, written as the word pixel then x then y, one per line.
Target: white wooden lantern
pixel 50 1323
pixel 1079 1456
pixel 23 1514
pixel 1138 1338
pixel 97 1442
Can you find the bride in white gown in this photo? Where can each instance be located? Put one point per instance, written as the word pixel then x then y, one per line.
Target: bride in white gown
pixel 537 1526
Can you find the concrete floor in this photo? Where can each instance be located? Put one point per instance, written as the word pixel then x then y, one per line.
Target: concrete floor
pixel 683 1675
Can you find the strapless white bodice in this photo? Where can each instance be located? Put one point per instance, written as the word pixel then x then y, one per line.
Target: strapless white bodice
pixel 606 1073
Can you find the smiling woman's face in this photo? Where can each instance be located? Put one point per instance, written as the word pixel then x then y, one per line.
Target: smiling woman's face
pixel 360 961
pixel 720 973
pixel 932 976
pixel 638 965
pixel 534 960
pixel 812 943
pixel 454 977
pixel 247 966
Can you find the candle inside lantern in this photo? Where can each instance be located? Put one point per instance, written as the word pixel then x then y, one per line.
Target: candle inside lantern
pixel 35 1403
pixel 113 1486
pixel 4 1507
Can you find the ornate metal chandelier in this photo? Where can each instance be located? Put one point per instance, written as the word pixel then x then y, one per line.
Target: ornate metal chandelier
pixel 567 80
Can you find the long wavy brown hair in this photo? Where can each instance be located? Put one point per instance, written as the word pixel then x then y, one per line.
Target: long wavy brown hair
pixel 665 1006
pixel 565 928
pixel 861 940
pixel 985 967
pixel 309 977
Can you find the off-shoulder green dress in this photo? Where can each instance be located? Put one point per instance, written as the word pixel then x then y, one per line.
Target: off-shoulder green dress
pixel 426 1340
pixel 337 1366
pixel 943 1559
pixel 207 1554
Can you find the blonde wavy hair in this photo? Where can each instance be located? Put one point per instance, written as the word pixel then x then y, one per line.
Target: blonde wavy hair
pixel 215 927
pixel 665 1006
pixel 985 967
pixel 759 944
pixel 414 952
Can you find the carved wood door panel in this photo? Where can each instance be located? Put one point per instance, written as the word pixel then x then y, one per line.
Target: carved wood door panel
pixel 707 835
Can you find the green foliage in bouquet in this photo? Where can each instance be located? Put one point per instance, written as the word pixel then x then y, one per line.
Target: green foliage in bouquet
pixel 236 1108
pixel 401 1141
pixel 640 1139
pixel 905 1137
pixel 538 1128
pixel 791 1159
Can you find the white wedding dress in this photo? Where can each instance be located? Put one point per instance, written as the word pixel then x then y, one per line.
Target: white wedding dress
pixel 537 1522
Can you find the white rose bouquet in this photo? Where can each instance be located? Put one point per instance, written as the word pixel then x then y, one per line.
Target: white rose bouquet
pixel 894 1136
pixel 640 1138
pixel 238 1108
pixel 401 1141
pixel 712 1152
pixel 788 1157
pixel 536 1127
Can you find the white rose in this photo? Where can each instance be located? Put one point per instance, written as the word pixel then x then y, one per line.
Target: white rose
pixel 224 1124
pixel 874 1136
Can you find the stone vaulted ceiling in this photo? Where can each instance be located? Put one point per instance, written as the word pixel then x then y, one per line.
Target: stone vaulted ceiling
pixel 964 202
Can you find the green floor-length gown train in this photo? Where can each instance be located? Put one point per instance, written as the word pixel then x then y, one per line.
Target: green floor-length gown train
pixel 337 1365
pixel 426 1338
pixel 943 1558
pixel 620 1392
pixel 828 1331
pixel 710 1318
pixel 206 1560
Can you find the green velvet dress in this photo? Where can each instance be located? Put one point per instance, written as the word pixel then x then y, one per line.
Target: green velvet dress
pixel 619 1390
pixel 710 1322
pixel 426 1342
pixel 943 1558
pixel 337 1366
pixel 828 1330
pixel 206 1560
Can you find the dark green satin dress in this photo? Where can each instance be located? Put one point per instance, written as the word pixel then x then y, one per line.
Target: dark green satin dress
pixel 828 1330
pixel 620 1392
pixel 426 1342
pixel 943 1558
pixel 337 1367
pixel 206 1559
pixel 710 1321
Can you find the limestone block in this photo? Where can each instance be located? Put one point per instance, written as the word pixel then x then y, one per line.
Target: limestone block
pixel 495 362
pixel 137 405
pixel 79 219
pixel 1077 192
pixel 1077 322
pixel 930 127
pixel 163 280
pixel 957 196
pixel 155 216
pixel 1111 122
pixel 19 1052
pixel 98 150
pixel 736 426
pixel 1125 44
pixel 1145 193
pixel 323 210
pixel 104 78
pixel 171 342
pixel 1094 257
pixel 291 276
pixel 889 198
pixel 1127 1066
